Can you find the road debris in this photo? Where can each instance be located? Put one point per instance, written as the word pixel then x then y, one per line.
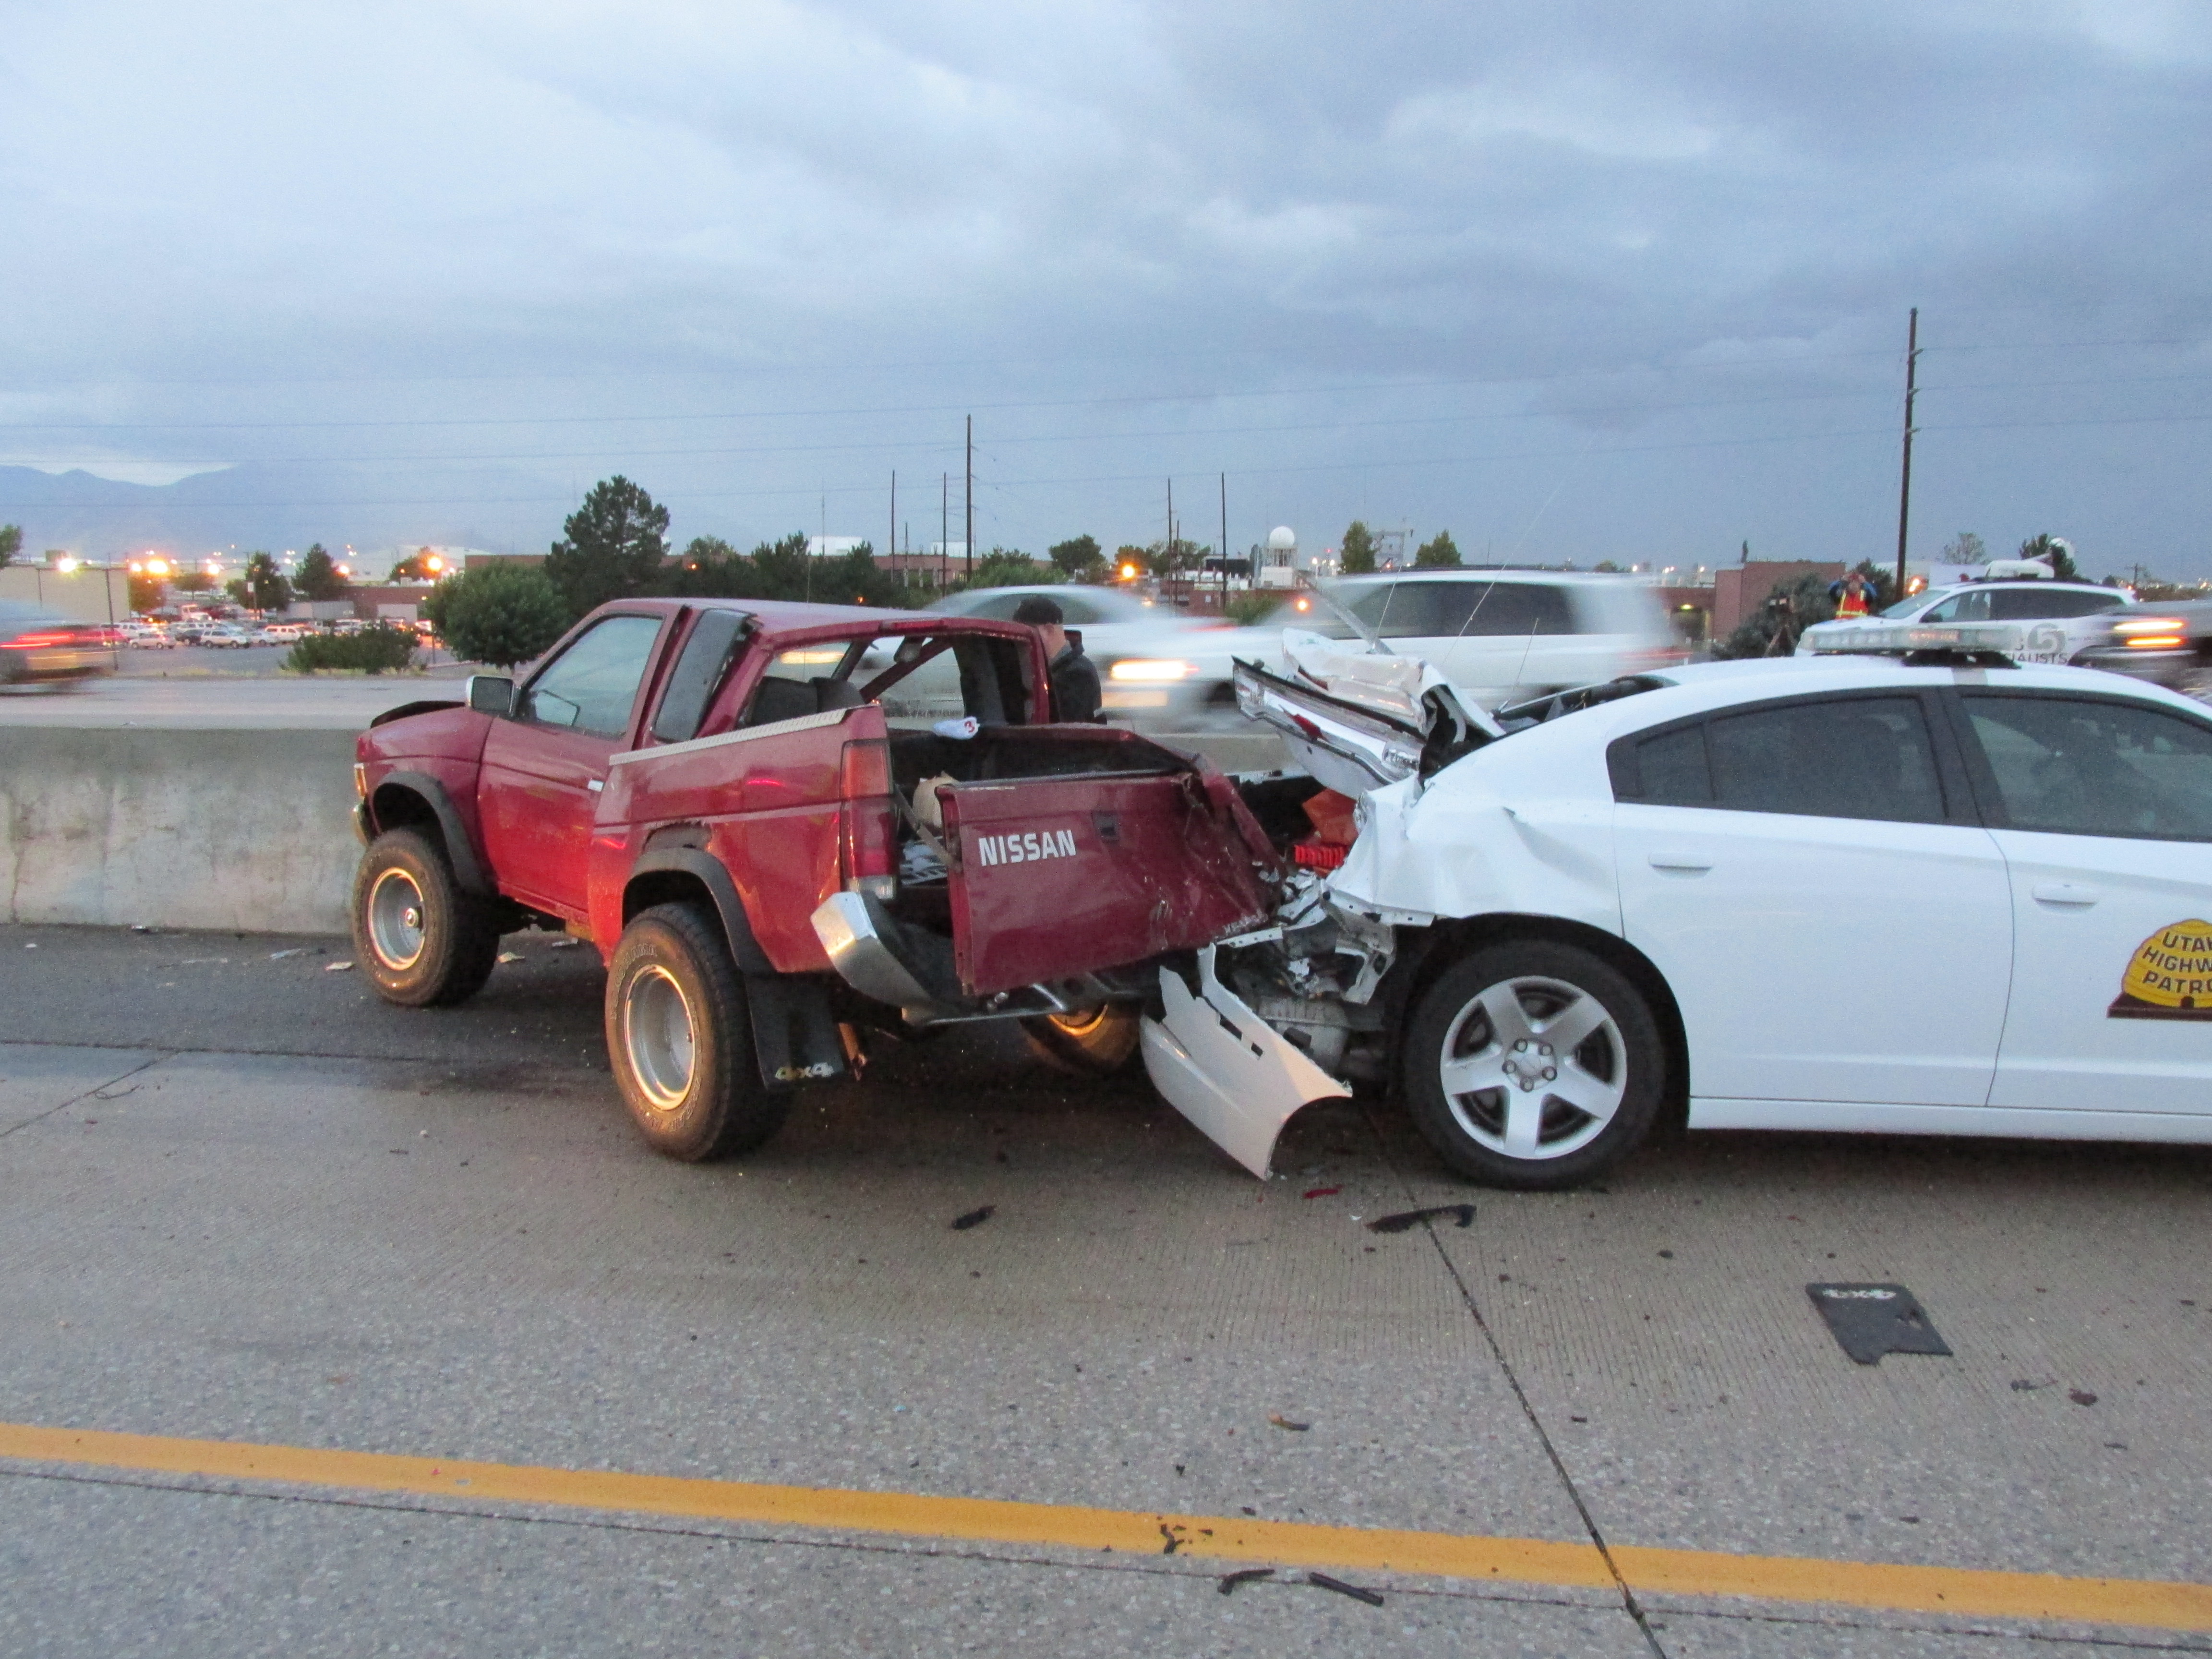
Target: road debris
pixel 565 943
pixel 2082 1396
pixel 1356 1592
pixel 338 967
pixel 1229 1581
pixel 1868 1321
pixel 1463 1216
pixel 976 1218
pixel 510 956
pixel 1283 1422
pixel 296 951
pixel 1322 1192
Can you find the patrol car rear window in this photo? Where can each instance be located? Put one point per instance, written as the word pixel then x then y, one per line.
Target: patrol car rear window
pixel 1854 758
pixel 2029 604
pixel 2077 766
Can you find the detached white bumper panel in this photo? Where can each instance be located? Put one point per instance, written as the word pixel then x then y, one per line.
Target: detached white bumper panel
pixel 1236 1078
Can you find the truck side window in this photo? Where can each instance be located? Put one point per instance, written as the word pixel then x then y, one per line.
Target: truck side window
pixel 591 685
pixel 699 673
pixel 2079 766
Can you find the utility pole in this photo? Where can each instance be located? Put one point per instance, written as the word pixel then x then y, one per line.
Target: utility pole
pixel 970 497
pixel 1170 556
pixel 894 541
pixel 1904 482
pixel 1225 544
pixel 944 527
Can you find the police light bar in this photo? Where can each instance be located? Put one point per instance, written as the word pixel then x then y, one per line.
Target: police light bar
pixel 1906 638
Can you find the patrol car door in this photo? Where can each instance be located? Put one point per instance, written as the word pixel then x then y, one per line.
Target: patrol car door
pixel 2106 808
pixel 1834 922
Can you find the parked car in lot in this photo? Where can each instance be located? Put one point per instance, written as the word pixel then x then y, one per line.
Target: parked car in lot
pixel 1926 892
pixel 2062 619
pixel 1499 634
pixel 714 793
pixel 38 646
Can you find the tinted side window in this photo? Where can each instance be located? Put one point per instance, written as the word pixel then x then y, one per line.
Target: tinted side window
pixel 1520 609
pixel 699 673
pixel 1431 609
pixel 1962 607
pixel 2083 767
pixel 1672 769
pixel 1848 758
pixel 590 686
pixel 2029 604
pixel 1000 607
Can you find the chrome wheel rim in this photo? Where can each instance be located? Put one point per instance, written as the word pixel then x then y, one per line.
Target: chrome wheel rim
pixel 396 932
pixel 1533 1068
pixel 658 1037
pixel 1084 1024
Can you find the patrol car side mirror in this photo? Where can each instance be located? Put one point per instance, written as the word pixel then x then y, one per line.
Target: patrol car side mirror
pixel 491 694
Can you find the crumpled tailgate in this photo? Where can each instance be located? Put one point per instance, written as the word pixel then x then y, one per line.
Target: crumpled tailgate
pixel 1054 877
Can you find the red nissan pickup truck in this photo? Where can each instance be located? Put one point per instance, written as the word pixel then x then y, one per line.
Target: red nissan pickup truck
pixel 784 826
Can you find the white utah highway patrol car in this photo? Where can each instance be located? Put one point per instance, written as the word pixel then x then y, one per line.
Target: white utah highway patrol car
pixel 1926 891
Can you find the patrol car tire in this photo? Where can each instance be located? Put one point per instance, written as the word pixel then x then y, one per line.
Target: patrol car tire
pixel 1099 1043
pixel 422 941
pixel 680 1037
pixel 1540 1115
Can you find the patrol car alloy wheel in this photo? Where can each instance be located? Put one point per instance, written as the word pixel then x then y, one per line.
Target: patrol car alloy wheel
pixel 422 941
pixel 1533 1064
pixel 680 1035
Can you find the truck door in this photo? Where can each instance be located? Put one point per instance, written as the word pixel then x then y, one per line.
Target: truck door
pixel 544 765
pixel 1059 877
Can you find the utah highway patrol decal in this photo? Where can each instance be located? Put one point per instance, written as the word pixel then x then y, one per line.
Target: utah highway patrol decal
pixel 2169 976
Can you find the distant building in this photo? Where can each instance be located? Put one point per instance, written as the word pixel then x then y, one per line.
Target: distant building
pixel 1740 589
pixel 835 547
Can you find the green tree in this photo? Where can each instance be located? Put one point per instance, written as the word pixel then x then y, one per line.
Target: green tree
pixel 615 544
pixel 1965 548
pixel 1172 558
pixel 2055 552
pixel 265 585
pixel 1357 555
pixel 1133 559
pixel 1079 559
pixel 1608 568
pixel 146 594
pixel 191 581
pixel 783 569
pixel 318 577
pixel 1001 568
pixel 499 613
pixel 1772 629
pixel 414 567
pixel 12 543
pixel 239 592
pixel 1440 552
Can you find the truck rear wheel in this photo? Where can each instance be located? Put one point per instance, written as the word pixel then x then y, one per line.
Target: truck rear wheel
pixel 423 941
pixel 1097 1042
pixel 680 1037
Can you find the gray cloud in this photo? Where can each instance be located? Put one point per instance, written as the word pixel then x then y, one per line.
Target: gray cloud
pixel 1594 279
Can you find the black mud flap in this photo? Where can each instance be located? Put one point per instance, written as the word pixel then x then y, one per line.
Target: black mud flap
pixel 1869 1320
pixel 795 1040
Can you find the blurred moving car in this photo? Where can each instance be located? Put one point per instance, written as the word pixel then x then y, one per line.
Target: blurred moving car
pixel 2070 616
pixel 1152 664
pixel 1498 634
pixel 2168 645
pixel 38 646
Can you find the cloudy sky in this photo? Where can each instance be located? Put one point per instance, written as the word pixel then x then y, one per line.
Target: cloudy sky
pixel 1576 281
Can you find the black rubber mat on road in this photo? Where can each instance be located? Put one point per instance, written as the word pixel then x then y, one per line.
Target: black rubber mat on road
pixel 1868 1321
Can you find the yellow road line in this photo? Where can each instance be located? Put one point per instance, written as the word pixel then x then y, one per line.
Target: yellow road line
pixel 2153 1603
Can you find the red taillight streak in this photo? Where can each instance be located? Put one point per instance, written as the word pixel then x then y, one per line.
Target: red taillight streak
pixel 36 641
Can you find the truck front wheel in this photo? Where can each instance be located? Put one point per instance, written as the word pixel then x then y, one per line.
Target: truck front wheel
pixel 423 941
pixel 681 1039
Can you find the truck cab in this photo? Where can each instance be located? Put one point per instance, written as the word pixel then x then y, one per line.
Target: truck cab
pixel 775 854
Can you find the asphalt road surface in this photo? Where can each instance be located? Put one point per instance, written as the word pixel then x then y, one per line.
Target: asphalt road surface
pixel 243 1202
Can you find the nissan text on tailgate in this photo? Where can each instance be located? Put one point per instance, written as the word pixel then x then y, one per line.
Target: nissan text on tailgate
pixel 778 856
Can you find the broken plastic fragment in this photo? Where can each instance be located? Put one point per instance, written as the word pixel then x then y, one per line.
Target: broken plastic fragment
pixel 1356 1592
pixel 510 956
pixel 1868 1321
pixel 975 1217
pixel 296 951
pixel 967 726
pixel 338 967
pixel 566 944
pixel 1406 1220
pixel 1322 1192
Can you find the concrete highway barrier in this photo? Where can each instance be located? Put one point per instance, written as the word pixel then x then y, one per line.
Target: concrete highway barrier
pixel 244 829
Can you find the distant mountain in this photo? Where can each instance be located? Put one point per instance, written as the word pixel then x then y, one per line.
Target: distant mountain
pixel 277 505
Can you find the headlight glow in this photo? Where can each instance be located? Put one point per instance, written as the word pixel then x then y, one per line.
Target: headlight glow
pixel 1151 670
